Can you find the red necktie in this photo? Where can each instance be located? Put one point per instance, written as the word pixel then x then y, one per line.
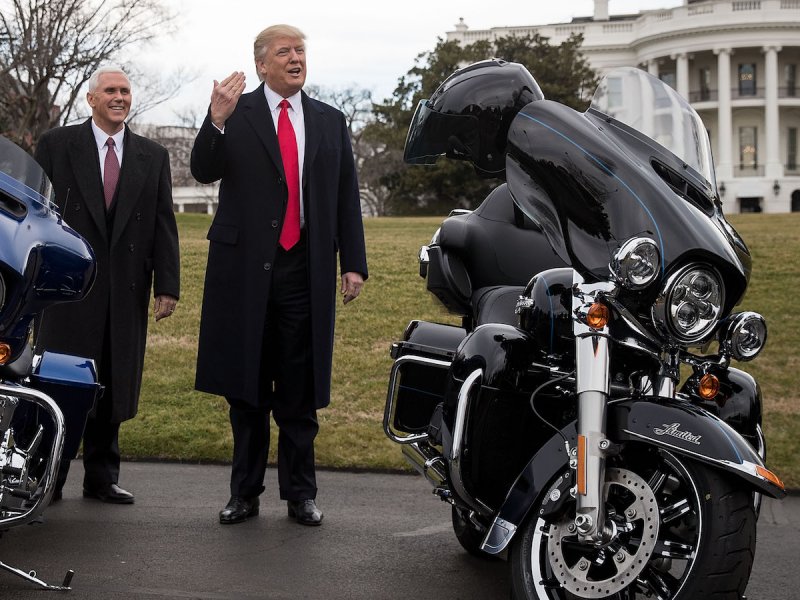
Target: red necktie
pixel 110 172
pixel 290 234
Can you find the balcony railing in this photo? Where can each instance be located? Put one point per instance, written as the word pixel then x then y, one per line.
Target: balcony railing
pixel 704 96
pixel 736 94
pixel 748 170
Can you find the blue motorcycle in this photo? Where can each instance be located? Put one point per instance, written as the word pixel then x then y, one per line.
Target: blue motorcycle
pixel 44 398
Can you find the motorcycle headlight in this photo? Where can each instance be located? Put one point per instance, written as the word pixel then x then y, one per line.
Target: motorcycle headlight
pixel 689 304
pixel 743 335
pixel 636 264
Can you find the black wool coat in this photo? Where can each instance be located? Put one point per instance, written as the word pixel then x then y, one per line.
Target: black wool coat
pixel 140 253
pixel 243 238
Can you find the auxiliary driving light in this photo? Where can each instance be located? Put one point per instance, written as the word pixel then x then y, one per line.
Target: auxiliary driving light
pixel 636 264
pixel 743 335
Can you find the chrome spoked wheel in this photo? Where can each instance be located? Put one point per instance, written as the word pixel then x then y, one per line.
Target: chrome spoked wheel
pixel 664 528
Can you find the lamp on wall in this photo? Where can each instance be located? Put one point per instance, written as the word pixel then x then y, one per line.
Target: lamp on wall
pixel 722 190
pixel 776 188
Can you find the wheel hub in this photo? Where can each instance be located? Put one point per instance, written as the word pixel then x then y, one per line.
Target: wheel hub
pixel 596 571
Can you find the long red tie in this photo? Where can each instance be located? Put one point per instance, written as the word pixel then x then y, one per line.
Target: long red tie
pixel 110 172
pixel 290 234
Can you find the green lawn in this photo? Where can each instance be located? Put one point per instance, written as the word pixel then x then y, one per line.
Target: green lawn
pixel 175 422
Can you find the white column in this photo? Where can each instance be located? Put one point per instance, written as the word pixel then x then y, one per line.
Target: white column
pixel 652 67
pixel 601 10
pixel 681 74
pixel 772 160
pixel 725 116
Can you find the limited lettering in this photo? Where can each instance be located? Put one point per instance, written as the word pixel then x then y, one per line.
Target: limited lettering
pixel 674 430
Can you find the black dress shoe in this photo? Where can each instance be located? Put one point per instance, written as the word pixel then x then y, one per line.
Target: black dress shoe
pixel 238 509
pixel 305 512
pixel 111 493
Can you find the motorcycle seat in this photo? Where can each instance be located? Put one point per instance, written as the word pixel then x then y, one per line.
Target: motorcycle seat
pixel 496 304
pixel 497 244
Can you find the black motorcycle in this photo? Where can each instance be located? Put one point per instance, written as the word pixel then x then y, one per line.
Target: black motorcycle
pixel 44 398
pixel 584 420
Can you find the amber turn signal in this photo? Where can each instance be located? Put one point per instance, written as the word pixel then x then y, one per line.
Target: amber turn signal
pixel 708 387
pixel 5 353
pixel 770 476
pixel 597 316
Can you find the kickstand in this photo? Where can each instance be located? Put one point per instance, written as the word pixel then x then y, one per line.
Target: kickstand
pixel 31 577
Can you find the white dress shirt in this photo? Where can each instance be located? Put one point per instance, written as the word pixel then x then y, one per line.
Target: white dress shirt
pixel 101 137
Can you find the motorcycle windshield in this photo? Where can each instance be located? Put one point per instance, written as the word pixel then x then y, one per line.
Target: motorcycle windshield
pixel 651 107
pixel 22 180
pixel 637 163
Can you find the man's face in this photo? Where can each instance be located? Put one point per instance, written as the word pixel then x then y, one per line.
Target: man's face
pixel 284 66
pixel 110 102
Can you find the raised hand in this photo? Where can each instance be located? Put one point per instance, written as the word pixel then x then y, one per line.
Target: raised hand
pixel 224 97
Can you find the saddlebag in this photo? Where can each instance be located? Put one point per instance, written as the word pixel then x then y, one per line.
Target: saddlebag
pixel 72 382
pixel 419 376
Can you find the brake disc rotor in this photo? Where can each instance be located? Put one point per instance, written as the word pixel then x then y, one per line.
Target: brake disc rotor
pixel 603 571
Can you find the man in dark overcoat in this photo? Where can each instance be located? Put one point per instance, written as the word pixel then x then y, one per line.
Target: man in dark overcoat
pixel 266 332
pixel 124 210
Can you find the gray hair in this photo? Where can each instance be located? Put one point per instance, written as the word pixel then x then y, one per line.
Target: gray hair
pixel 269 35
pixel 94 80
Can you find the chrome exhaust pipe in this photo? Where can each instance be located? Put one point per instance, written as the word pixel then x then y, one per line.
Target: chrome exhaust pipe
pixel 426 461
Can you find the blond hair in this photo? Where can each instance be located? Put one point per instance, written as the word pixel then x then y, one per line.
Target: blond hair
pixel 269 35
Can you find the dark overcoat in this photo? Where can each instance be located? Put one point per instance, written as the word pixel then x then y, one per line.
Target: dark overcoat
pixel 243 238
pixel 140 253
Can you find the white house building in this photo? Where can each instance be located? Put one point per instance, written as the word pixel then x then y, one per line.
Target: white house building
pixel 736 61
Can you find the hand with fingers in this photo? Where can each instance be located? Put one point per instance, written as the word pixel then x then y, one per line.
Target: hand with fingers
pixel 351 286
pixel 224 97
pixel 164 306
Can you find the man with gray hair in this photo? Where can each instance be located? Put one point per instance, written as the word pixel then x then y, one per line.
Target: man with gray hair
pixel 288 203
pixel 114 188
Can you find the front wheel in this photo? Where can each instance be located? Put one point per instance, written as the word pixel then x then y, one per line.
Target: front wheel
pixel 681 531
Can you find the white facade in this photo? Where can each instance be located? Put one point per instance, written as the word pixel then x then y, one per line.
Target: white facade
pixel 736 61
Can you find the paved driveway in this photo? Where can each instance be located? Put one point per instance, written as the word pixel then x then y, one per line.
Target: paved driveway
pixel 384 537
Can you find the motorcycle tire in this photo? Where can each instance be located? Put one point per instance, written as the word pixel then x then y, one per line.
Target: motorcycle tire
pixel 468 535
pixel 691 534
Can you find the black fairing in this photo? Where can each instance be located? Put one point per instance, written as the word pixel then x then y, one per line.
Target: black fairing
pixel 591 184
pixel 738 402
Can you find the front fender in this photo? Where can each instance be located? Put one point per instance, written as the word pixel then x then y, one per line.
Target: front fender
pixel 674 425
pixel 686 429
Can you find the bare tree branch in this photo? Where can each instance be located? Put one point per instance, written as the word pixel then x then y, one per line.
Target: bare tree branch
pixel 49 49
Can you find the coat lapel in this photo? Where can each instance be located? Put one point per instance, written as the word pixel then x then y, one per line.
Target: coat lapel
pixel 86 167
pixel 132 177
pixel 256 111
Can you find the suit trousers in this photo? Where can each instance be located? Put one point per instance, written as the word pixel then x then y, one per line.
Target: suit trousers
pixel 286 390
pixel 101 456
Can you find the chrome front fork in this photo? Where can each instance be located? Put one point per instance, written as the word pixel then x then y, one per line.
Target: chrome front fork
pixel 592 383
